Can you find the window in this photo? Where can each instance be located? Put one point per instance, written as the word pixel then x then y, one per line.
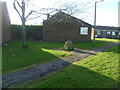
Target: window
pixel 84 30
pixel 113 33
pixel 108 32
pixel 98 32
pixel 119 33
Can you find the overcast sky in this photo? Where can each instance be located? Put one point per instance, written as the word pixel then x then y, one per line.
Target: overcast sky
pixel 107 11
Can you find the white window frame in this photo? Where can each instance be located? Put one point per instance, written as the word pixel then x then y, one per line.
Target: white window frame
pixel 108 32
pixel 98 32
pixel 113 33
pixel 82 30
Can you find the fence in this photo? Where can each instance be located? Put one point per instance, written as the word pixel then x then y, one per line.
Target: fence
pixel 33 33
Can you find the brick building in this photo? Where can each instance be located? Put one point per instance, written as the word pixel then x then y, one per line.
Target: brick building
pixel 4 23
pixel 107 32
pixel 62 27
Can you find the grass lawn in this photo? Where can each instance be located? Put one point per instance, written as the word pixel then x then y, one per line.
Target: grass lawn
pixel 15 57
pixel 88 45
pixel 35 54
pixel 108 40
pixel 98 71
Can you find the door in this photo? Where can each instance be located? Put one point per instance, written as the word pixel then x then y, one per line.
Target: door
pixel 103 34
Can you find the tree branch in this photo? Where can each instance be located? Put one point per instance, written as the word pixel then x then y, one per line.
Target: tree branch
pixel 29 14
pixel 18 4
pixel 16 9
pixel 39 13
pixel 32 18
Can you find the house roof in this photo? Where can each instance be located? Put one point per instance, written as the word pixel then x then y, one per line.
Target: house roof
pixel 59 15
pixel 107 28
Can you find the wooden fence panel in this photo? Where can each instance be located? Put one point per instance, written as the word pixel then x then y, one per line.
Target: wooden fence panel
pixel 16 35
pixel 32 34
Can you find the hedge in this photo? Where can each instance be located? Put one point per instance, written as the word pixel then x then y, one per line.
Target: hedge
pixel 28 27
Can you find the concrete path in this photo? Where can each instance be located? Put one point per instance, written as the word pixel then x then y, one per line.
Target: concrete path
pixel 38 71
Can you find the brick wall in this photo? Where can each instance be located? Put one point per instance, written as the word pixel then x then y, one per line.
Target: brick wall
pixel 5 23
pixel 63 32
pixel 108 35
pixel 0 23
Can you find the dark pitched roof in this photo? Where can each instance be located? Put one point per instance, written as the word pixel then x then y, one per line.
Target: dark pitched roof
pixel 61 14
pixel 107 28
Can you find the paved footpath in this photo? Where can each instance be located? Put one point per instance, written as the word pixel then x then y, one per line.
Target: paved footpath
pixel 38 71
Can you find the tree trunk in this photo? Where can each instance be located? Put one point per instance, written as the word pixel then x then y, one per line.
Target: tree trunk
pixel 23 26
pixel 24 35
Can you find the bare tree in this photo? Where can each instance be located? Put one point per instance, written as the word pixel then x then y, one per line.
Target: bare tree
pixel 23 18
